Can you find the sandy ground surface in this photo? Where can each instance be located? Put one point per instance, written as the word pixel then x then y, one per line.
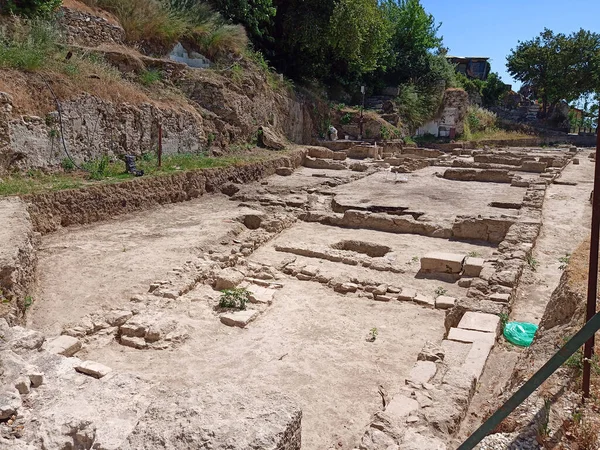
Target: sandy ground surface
pixel 406 251
pixel 310 345
pixel 439 198
pixel 84 268
pixel 566 216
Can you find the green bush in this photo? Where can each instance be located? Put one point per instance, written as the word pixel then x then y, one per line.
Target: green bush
pixel 234 298
pixel 30 49
pixel 30 8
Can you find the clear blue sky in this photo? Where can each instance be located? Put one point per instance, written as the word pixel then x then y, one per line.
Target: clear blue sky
pixel 493 27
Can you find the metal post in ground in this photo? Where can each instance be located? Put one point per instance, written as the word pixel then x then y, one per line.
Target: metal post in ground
pixel 588 352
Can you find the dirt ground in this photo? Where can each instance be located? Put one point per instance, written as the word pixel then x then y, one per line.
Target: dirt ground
pixel 310 345
pixel 84 268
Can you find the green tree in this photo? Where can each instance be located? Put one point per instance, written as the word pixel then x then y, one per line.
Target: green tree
pixel 557 66
pixel 359 34
pixel 256 15
pixel 493 90
pixel 29 7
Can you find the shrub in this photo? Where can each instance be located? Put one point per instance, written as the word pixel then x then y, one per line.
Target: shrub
pixel 479 119
pixel 30 8
pixel 149 77
pixel 346 119
pixel 417 105
pixel 234 298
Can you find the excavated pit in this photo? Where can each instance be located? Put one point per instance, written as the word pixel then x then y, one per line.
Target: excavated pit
pixel 342 329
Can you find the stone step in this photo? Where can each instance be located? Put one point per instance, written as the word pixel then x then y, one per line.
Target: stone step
pixel 239 318
pixel 476 321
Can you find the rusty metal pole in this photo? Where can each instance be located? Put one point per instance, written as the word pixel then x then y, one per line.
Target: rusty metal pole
pixel 159 145
pixel 588 352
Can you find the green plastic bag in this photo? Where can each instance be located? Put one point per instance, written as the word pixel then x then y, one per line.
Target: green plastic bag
pixel 520 333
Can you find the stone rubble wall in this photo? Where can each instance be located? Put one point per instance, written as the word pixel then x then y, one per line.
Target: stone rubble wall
pixel 18 258
pixel 87 29
pixel 51 210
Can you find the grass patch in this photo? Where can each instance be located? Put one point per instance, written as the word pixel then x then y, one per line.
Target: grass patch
pixel 149 77
pixel 113 171
pixel 30 48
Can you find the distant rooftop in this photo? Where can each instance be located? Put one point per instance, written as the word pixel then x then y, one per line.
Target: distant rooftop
pixel 472 66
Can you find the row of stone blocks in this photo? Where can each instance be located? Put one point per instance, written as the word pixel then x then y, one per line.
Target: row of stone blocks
pixel 452 263
pixel 438 390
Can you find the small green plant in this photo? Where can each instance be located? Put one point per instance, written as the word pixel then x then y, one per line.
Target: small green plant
pixel 237 73
pixel 98 169
pixel 564 261
pixel 385 132
pixel 474 255
pixel 532 262
pixel 440 291
pixel 67 165
pixel 346 119
pixel 372 335
pixel 53 133
pixel 28 302
pixel 413 260
pixel 149 77
pixel 148 156
pixel 210 139
pixel 234 298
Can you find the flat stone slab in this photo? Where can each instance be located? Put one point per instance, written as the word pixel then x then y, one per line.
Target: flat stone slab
pixel 239 318
pixel 93 369
pixel 260 294
pixel 455 352
pixel 400 408
pixel 422 372
pixel 424 300
pixel 444 302
pixel 407 295
pixel 500 298
pixel 469 336
pixel 473 266
pixel 64 345
pixel 439 262
pixel 488 323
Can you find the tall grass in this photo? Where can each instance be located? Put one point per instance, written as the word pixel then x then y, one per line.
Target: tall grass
pixel 29 49
pixel 157 25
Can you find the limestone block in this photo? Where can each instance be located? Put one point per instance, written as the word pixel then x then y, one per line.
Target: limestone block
pixel 228 279
pixel 444 302
pixel 500 298
pixel 476 321
pixel 533 166
pixel 473 266
pixel 470 336
pixel 400 407
pixel 64 345
pixel 36 378
pixel 384 298
pixel 10 402
pixel 407 295
pixel 134 342
pixel 93 369
pixel 431 352
pixel 339 156
pixel 424 300
pixel 324 164
pixel 320 152
pixel 477 357
pixel 422 372
pixel 439 262
pixel 346 288
pixel 465 282
pixel 239 318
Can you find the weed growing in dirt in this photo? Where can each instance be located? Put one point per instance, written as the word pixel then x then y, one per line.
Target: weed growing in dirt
pixel 533 263
pixel 474 255
pixel 98 169
pixel 237 73
pixel 31 49
pixel 564 261
pixel 587 434
pixel 440 291
pixel 149 77
pixel 234 298
pixel 503 320
pixel 372 335
pixel 414 259
pixel 346 119
pixel 67 165
pixel 28 302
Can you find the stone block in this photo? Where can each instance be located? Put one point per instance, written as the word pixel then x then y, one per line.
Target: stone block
pixel 460 378
pixel 476 321
pixel 260 294
pixel 444 302
pixel 407 295
pixel 346 288
pixel 228 279
pixel 455 352
pixel 339 156
pixel 500 298
pixel 470 336
pixel 400 407
pixel 473 266
pixel 431 352
pixel 465 282
pixel 36 378
pixel 424 300
pixel 477 357
pixel 239 318
pixel 117 318
pixel 533 166
pixel 64 345
pixel 422 372
pixel 93 369
pixel 439 262
pixel 384 298
pixel 134 342
pixel 575 161
pixel 380 290
pixel 320 152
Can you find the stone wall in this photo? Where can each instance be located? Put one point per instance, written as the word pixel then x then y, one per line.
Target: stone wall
pixel 18 258
pixel 89 30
